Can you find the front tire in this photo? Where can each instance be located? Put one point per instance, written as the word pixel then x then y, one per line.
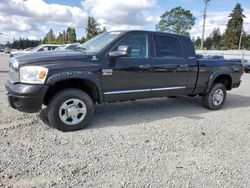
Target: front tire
pixel 215 98
pixel 70 110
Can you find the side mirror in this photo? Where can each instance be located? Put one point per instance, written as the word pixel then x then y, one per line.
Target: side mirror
pixel 122 51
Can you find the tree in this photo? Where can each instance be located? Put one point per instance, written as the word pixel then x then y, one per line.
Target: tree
pixel 216 38
pixel 71 35
pixel 92 28
pixel 177 20
pixel 82 40
pixel 246 41
pixel 49 38
pixel 60 38
pixel 23 43
pixel 234 28
pixel 197 43
pixel 208 43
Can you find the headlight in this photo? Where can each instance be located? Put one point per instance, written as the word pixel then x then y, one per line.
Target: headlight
pixel 14 64
pixel 13 70
pixel 33 74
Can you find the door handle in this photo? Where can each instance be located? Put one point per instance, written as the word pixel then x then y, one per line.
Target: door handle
pixel 144 66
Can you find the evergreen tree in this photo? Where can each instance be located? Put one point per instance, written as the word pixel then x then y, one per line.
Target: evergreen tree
pixel 71 33
pixel 246 41
pixel 197 43
pixel 177 20
pixel 21 44
pixel 234 28
pixel 216 38
pixel 49 38
pixel 60 39
pixel 92 28
pixel 82 40
pixel 208 43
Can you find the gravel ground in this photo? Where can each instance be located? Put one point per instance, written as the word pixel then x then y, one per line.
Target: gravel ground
pixel 146 143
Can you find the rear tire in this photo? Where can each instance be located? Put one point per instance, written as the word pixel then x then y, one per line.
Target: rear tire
pixel 216 97
pixel 70 110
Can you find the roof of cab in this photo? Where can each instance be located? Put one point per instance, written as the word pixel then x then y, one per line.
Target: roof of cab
pixel 147 31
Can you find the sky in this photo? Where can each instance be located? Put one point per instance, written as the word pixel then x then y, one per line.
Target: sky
pixel 33 18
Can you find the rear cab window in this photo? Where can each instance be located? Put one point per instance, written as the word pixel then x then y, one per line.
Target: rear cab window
pixel 167 46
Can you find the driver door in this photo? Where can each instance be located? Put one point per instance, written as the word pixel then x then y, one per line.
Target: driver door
pixel 129 77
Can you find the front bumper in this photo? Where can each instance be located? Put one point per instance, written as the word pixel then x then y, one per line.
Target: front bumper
pixel 25 97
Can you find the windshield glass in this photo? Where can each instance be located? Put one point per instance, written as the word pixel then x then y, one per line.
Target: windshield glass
pixel 99 42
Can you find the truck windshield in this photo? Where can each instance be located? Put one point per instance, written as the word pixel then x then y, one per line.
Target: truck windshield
pixel 97 43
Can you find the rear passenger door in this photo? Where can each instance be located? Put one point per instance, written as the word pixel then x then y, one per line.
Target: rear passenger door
pixel 169 67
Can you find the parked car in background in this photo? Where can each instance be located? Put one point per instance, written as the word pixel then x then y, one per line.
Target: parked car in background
pixel 246 65
pixel 1 50
pixel 204 56
pixel 6 50
pixel 40 48
pixel 68 46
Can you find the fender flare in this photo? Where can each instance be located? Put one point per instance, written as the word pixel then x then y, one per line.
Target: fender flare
pixel 213 78
pixel 83 75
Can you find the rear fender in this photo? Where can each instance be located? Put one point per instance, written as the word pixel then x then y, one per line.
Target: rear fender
pixel 213 78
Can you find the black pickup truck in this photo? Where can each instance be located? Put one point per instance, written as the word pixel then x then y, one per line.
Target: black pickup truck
pixel 116 66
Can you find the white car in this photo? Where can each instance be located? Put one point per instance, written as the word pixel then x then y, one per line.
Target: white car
pixel 40 48
pixel 72 46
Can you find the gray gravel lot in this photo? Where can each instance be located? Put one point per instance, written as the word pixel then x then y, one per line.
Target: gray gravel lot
pixel 146 143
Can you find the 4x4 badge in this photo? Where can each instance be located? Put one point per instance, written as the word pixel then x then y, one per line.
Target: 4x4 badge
pixel 106 72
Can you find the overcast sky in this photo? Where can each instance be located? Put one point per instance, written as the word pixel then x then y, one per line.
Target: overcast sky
pixel 33 18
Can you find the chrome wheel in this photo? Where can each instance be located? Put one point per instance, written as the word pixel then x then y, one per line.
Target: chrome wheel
pixel 72 111
pixel 218 97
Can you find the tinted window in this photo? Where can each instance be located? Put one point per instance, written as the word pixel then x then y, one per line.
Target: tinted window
pixel 138 44
pixel 72 47
pixel 167 46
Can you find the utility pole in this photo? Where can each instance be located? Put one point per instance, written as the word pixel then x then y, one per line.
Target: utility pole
pixel 241 33
pixel 204 23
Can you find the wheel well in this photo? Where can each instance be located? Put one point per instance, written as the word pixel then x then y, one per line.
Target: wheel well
pixel 226 80
pixel 85 85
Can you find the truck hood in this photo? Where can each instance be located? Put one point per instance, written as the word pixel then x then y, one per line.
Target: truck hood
pixel 51 57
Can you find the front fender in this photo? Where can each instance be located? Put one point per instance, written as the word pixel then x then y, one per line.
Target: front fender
pixel 84 75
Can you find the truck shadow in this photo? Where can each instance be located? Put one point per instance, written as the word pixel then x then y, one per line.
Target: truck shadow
pixel 145 111
pixel 150 110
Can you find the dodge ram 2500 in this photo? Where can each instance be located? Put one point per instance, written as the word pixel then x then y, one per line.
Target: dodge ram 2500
pixel 116 66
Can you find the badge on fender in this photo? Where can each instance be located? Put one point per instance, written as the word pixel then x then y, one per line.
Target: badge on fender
pixel 106 72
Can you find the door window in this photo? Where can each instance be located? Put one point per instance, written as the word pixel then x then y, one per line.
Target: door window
pixel 138 44
pixel 45 48
pixel 167 46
